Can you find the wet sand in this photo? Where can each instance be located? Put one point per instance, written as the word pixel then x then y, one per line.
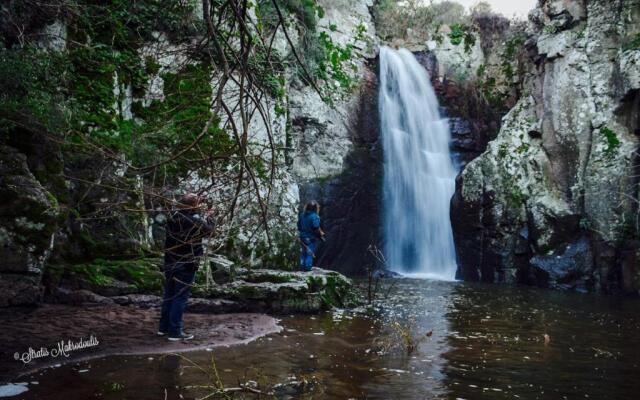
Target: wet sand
pixel 118 330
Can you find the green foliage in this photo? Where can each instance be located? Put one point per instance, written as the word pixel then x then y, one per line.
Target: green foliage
pixel 332 294
pixel 497 88
pixel 323 59
pixel 582 34
pixel 482 70
pixel 283 254
pixel 103 52
pixel 31 89
pixel 611 139
pixel 73 91
pixel 305 11
pixel 113 387
pixel 177 121
pixel 334 290
pixel 53 200
pixel 104 47
pixel 122 24
pixel 523 148
pixel 515 196
pixel 332 60
pixel 91 83
pixel 509 55
pixel 314 283
pixel 503 151
pixel 78 94
pixel 461 33
pixel 337 293
pixel 633 44
pixel 271 68
pixel 494 95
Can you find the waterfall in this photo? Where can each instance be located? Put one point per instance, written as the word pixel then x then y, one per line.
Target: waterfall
pixel 419 176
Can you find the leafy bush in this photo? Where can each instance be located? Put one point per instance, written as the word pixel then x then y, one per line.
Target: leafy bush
pixel 462 33
pixel 31 89
pixel 611 139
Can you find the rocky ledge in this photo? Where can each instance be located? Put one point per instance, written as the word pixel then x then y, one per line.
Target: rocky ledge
pixel 221 288
pixel 282 291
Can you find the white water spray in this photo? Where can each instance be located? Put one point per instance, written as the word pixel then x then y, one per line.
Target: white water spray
pixel 419 176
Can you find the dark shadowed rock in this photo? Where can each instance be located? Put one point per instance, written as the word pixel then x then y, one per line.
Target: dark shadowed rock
pixel 351 213
pixel 62 295
pixel 630 267
pixel 569 270
pixel 19 289
pixel 28 221
pixel 138 300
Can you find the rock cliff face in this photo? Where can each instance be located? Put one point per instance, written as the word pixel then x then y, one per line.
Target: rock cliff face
pixel 351 198
pixel 338 159
pixel 553 201
pixel 60 205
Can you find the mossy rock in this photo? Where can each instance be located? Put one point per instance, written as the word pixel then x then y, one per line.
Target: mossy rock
pixel 286 292
pixel 111 277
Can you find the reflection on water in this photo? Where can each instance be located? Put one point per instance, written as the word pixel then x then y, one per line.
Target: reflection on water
pixel 498 344
pixel 488 342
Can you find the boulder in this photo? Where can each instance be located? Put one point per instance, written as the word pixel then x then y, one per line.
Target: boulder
pixel 27 213
pixel 28 222
pixel 563 13
pixel 76 297
pixel 19 289
pixel 286 292
pixel 571 270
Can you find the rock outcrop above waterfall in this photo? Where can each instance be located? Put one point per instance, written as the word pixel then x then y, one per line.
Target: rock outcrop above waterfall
pixel 553 201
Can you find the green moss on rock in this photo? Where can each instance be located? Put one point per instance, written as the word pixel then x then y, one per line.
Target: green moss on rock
pixel 144 274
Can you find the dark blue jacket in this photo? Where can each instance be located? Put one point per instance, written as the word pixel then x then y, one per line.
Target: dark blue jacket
pixel 308 225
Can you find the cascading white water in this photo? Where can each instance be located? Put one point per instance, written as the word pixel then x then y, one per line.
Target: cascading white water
pixel 419 176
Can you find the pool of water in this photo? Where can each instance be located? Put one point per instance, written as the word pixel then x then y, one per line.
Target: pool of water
pixel 485 342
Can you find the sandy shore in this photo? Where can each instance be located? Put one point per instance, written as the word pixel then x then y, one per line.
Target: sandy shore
pixel 34 335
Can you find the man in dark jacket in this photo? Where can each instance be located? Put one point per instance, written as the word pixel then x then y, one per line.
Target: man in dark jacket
pixel 309 230
pixel 183 248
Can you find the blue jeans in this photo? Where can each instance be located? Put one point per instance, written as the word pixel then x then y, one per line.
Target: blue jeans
pixel 307 254
pixel 177 288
